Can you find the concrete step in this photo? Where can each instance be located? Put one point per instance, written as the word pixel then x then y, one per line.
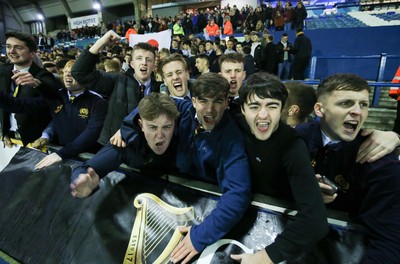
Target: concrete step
pixel 380 118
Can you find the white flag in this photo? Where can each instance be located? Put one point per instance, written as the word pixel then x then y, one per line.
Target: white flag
pixel 160 39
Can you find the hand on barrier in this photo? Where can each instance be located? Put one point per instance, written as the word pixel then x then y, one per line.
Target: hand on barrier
pixel 184 250
pixel 261 257
pixel 48 160
pixel 40 143
pixel 85 184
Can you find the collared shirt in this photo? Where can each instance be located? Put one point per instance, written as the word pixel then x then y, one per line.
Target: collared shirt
pixel 148 86
pixel 326 140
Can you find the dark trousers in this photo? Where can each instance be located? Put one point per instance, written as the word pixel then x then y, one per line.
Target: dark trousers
pixel 299 67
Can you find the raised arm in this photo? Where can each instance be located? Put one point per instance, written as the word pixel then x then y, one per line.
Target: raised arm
pixel 84 71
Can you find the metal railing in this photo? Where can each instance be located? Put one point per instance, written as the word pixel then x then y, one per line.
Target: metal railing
pixel 377 84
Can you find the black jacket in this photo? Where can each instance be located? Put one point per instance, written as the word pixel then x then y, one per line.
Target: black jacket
pixel 32 110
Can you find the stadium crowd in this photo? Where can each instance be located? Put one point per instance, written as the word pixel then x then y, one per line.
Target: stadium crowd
pixel 231 101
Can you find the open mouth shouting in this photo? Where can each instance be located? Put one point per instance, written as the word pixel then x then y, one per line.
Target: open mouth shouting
pixel 262 126
pixel 178 86
pixel 68 81
pixel 351 126
pixel 143 70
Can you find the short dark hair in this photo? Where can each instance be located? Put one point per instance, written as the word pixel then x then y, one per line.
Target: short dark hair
pixel 144 46
pixel 342 82
pixel 27 38
pixel 204 57
pixel 303 95
pixel 264 85
pixel 156 104
pixel 231 57
pixel 246 49
pixel 212 85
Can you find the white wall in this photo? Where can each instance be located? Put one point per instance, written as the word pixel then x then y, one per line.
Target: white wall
pixel 239 4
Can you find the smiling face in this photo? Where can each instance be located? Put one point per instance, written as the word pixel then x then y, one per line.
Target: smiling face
pixel 176 78
pixel 209 110
pixel 342 113
pixel 234 73
pixel 262 115
pixel 18 53
pixel 70 83
pixel 143 64
pixel 158 133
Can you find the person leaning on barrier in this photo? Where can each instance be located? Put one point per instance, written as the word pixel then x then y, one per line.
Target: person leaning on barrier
pixel 24 112
pixel 280 168
pixel 210 148
pixel 78 117
pixel 152 150
pixel 369 191
pixel 123 91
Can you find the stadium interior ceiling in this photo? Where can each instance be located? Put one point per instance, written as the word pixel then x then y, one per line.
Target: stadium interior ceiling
pixel 29 9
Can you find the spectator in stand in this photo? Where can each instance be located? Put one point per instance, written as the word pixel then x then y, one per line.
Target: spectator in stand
pixel 202 64
pixel 164 53
pixel 202 48
pixel 229 47
pixel 175 47
pixel 247 38
pixel 152 151
pixel 279 21
pixel 24 112
pixel 248 61
pixel 280 168
pixel 369 192
pixel 201 21
pixel 288 14
pixel 239 48
pixel 212 28
pixel 284 57
pixel 123 92
pixel 257 51
pixel 195 19
pixel 260 26
pixel 269 22
pixel 78 117
pixel 112 66
pixel 178 29
pixel 302 49
pixel 188 25
pixel 225 162
pixel 299 15
pixel 251 21
pixel 269 63
pixel 299 104
pixel 228 29
pixel 232 69
pixel 175 73
pixel 130 31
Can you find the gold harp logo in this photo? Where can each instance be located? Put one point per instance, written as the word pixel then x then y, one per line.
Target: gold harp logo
pixel 155 230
